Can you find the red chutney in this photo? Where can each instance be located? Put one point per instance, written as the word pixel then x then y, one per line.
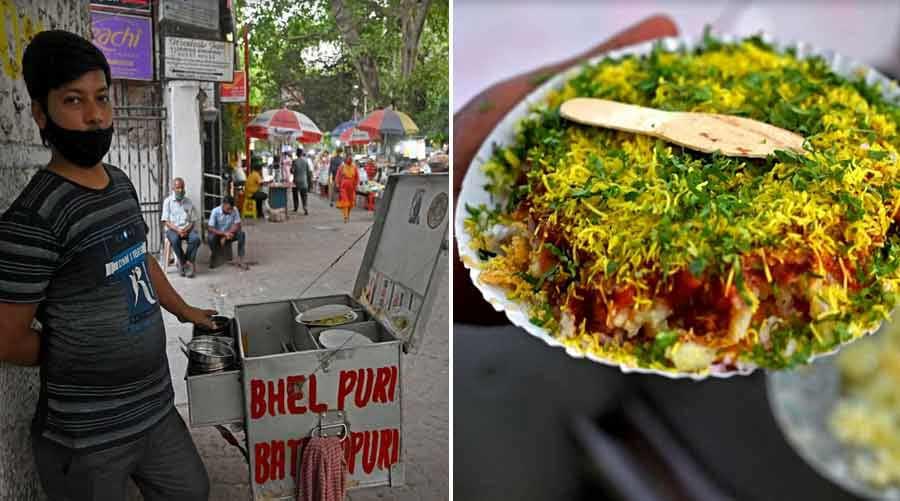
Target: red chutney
pixel 588 305
pixel 702 305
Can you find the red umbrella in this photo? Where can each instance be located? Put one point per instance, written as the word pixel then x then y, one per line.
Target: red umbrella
pixel 355 137
pixel 284 123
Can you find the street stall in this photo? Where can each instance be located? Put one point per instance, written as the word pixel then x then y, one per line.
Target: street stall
pixel 283 126
pixel 371 191
pixel 390 125
pixel 330 366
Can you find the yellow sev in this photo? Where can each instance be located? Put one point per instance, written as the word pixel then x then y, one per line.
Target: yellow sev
pixel 620 235
pixel 806 219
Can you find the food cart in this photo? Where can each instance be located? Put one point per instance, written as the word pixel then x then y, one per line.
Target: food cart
pixel 286 386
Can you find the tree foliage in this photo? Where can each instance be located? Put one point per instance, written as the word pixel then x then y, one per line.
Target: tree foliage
pixel 315 56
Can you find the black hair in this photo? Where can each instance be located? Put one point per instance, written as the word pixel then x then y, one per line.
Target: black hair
pixel 299 151
pixel 54 58
pixel 228 199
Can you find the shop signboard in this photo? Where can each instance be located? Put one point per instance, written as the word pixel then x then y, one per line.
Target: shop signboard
pixel 196 59
pixel 127 43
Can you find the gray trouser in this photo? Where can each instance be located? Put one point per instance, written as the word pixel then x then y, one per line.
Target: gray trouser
pixel 163 462
pixel 215 245
pixel 193 240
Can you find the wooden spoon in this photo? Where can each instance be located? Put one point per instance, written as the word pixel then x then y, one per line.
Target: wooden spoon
pixel 705 132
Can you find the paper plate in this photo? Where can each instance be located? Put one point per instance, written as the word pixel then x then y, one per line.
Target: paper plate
pixel 328 315
pixel 342 338
pixel 473 193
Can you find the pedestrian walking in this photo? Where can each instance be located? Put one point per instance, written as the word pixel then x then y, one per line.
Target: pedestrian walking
pixel 322 175
pixel 302 178
pixel 336 161
pixel 346 182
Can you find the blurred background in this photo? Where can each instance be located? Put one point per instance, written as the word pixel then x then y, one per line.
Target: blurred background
pixel 494 40
pixel 531 423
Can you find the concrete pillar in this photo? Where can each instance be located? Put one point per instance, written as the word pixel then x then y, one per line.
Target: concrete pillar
pixel 183 113
pixel 21 155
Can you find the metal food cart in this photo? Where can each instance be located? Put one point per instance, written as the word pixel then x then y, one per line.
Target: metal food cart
pixel 285 386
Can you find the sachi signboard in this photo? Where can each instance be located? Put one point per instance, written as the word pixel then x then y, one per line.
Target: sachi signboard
pixel 127 43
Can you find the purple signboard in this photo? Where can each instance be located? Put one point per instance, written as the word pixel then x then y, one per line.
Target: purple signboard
pixel 127 42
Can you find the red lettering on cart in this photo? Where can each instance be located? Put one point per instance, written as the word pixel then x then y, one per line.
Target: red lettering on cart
pixel 363 395
pixel 276 397
pixel 380 394
pixel 257 399
pixel 352 447
pixel 375 450
pixel 384 454
pixel 261 454
pixel 313 405
pixel 367 385
pixel 285 395
pixel 345 387
pixel 395 458
pixel 394 373
pixel 295 394
pixel 370 451
pixel 276 465
pixel 379 449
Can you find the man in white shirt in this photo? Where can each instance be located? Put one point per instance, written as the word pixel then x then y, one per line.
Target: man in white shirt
pixel 179 216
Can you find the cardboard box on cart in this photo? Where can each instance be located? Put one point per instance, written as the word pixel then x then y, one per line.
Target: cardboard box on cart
pixel 286 386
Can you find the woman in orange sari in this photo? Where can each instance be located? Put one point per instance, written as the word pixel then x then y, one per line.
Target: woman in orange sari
pixel 346 180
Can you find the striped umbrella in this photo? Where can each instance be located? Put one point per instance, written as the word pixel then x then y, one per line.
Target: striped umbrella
pixel 349 124
pixel 388 122
pixel 355 137
pixel 284 123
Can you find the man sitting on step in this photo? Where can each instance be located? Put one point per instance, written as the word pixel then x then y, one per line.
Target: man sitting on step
pixel 224 228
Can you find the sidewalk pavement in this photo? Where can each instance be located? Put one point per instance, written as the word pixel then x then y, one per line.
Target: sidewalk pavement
pixel 289 256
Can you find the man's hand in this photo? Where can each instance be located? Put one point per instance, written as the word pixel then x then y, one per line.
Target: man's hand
pixel 473 123
pixel 197 316
pixel 19 343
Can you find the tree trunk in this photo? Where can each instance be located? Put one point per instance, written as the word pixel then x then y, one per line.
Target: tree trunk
pixel 364 64
pixel 412 20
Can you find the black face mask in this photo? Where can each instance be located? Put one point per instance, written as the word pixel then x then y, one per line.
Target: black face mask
pixel 84 148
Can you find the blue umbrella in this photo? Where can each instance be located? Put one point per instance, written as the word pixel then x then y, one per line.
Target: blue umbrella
pixel 349 124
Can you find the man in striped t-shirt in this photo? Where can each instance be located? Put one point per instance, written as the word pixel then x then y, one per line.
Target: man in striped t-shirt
pixel 73 255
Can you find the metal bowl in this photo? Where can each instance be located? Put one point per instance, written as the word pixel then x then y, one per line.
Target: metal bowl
pixel 209 352
pixel 219 339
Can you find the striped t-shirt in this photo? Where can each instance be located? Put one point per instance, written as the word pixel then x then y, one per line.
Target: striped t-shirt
pixel 81 254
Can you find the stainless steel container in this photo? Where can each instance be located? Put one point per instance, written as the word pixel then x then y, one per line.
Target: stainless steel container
pixel 289 387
